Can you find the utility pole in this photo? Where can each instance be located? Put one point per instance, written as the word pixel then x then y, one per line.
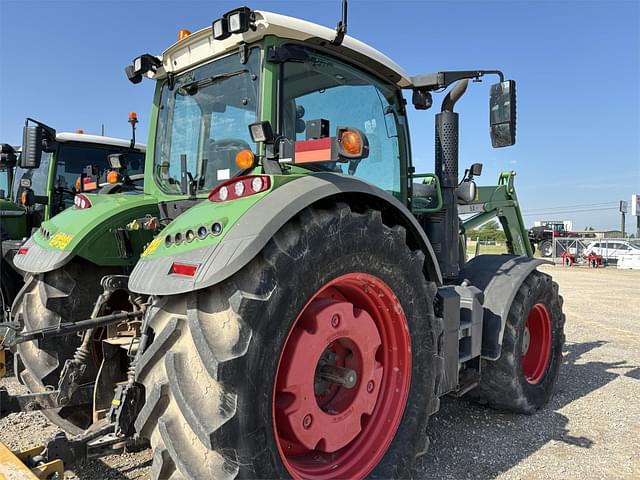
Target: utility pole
pixel 635 211
pixel 623 210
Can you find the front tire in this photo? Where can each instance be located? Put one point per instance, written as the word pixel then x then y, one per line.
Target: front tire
pixel 524 377
pixel 231 365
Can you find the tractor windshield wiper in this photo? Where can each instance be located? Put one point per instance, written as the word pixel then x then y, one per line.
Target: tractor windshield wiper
pixel 192 88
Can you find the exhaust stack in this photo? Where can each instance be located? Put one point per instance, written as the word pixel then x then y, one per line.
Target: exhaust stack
pixel 443 228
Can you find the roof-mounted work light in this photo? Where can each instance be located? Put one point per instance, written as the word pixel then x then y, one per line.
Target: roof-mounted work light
pixel 140 66
pixel 239 20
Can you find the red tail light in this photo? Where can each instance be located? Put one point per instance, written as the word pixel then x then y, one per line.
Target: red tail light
pixel 81 201
pixel 240 187
pixel 183 269
pixel 23 250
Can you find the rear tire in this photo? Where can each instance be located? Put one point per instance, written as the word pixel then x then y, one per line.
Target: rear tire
pixel 210 372
pixel 62 295
pixel 524 377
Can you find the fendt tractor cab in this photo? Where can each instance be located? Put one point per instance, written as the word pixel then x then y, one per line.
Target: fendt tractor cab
pixel 288 298
pixel 43 178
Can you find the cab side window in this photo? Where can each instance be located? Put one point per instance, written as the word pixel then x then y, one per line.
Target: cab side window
pixel 323 87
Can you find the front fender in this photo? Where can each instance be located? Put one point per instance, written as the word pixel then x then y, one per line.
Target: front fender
pixel 247 236
pixel 499 277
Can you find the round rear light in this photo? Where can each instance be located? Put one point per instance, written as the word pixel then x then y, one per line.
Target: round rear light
pixel 168 240
pixel 202 232
pixel 178 238
pixel 190 235
pixel 256 184
pixel 239 189
pixel 216 228
pixel 223 193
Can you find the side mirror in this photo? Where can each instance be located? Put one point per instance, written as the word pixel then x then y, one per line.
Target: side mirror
pixel 32 140
pixel 502 116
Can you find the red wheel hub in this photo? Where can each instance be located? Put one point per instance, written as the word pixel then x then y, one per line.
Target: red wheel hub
pixel 536 345
pixel 342 380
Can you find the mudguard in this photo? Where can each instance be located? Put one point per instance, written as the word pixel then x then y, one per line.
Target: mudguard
pixel 88 233
pixel 247 236
pixel 499 277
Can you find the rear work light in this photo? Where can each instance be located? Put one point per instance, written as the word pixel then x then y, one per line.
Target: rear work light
pixel 81 201
pixel 184 269
pixel 240 187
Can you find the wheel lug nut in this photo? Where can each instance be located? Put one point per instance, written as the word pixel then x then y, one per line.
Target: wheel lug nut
pixel 335 321
pixel 306 421
pixel 370 386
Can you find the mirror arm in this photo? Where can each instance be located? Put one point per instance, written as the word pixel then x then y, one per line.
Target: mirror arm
pixel 440 80
pixel 49 130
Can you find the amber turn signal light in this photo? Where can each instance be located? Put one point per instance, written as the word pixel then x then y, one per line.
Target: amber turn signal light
pixel 112 177
pixel 352 143
pixel 245 159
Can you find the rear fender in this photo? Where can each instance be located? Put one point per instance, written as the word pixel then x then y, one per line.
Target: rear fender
pixel 251 233
pixel 499 277
pixel 90 233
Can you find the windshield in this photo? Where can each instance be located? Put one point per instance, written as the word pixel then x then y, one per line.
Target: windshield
pixel 206 117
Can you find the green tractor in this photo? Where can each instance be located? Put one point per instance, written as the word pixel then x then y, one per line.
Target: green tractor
pixel 34 191
pixel 288 297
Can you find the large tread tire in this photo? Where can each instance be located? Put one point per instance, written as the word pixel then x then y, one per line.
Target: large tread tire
pixel 62 295
pixel 504 385
pixel 209 372
pixel 9 286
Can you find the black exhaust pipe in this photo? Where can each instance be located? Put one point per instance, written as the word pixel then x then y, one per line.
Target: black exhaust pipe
pixel 443 227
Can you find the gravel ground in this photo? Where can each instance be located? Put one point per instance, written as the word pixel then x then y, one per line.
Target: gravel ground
pixel 589 430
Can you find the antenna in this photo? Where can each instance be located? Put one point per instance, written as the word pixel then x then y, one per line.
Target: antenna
pixel 341 28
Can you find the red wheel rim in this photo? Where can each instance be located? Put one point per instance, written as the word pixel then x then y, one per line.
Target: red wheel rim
pixel 536 348
pixel 323 429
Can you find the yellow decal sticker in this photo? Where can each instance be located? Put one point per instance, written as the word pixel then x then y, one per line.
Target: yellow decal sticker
pixel 60 240
pixel 152 247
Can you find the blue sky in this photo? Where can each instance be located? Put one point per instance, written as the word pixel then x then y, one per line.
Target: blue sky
pixel 576 63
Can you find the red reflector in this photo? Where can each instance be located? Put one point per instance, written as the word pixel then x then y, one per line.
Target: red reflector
pixel 308 151
pixel 23 250
pixel 183 269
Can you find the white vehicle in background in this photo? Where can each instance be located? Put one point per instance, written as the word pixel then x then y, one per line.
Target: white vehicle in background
pixel 613 249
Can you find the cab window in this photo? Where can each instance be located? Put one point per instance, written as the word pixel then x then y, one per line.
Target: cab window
pixel 322 87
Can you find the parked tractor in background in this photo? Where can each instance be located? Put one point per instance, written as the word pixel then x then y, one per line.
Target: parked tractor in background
pixel 36 190
pixel 288 298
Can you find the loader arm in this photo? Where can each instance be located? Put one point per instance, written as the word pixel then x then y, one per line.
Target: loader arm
pixel 500 201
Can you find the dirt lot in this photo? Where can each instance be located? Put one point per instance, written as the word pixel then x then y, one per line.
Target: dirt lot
pixel 590 430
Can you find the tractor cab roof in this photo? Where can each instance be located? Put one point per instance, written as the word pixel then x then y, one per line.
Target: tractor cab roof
pixel 201 46
pixel 93 139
